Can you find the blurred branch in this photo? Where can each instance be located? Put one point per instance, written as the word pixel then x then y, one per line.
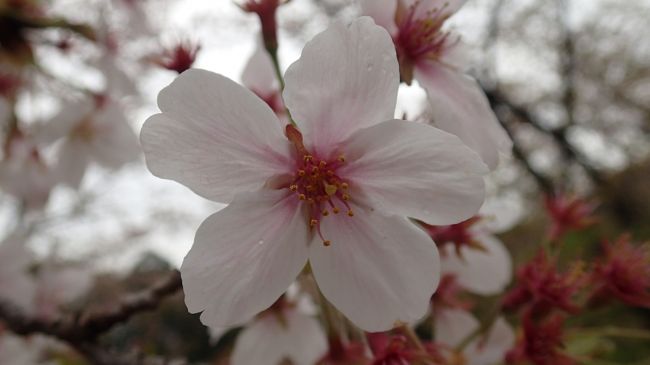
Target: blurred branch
pixel 498 100
pixel 82 330
pixel 543 182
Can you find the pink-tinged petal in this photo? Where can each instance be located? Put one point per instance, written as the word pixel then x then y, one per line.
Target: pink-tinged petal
pixel 115 143
pixel 378 270
pixel 382 11
pixel 346 78
pixel 460 107
pixel 299 338
pixel 214 136
pixel 244 257
pixel 452 326
pixel 492 349
pixel 481 272
pixel 425 7
pixel 259 75
pixel 415 170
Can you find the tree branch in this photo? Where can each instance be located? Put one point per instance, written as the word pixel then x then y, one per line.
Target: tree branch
pixel 82 330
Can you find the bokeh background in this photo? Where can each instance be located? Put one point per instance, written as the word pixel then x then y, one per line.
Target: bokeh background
pixel 569 79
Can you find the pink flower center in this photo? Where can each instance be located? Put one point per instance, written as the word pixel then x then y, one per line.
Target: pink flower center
pixel 317 183
pixel 420 37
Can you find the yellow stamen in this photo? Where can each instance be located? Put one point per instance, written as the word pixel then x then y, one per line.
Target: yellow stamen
pixel 350 213
pixel 330 190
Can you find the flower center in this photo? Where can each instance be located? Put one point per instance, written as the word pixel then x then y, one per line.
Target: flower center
pixel 419 36
pixel 316 183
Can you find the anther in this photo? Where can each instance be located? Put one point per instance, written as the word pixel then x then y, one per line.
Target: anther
pixel 344 185
pixel 350 213
pixel 326 243
pixel 322 164
pixel 330 173
pixel 325 213
pixel 345 197
pixel 307 158
pixel 302 196
pixel 293 187
pixel 336 210
pixel 313 222
pixel 301 173
pixel 341 158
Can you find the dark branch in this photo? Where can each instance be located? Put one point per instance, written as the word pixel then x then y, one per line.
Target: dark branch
pixel 559 135
pixel 82 330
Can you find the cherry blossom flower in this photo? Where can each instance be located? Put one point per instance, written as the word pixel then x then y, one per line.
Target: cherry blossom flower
pixel 265 10
pixel 476 258
pixel 259 77
pixel 24 174
pixel 16 286
pixel 337 198
pixel 179 57
pixel 541 287
pixel 434 57
pixel 568 214
pixel 453 326
pixel 541 343
pixel 281 332
pixel 93 130
pixel 624 273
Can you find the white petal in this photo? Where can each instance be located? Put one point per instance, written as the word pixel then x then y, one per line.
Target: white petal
pixel 415 170
pixel 70 115
pixel 116 143
pixel 346 78
pixel 381 11
pixel 378 270
pixel 460 107
pixel 214 136
pixel 16 285
pixel 452 326
pixel 244 257
pixel 492 349
pixel 483 273
pixel 500 214
pixel 72 162
pixel 259 75
pixel 269 341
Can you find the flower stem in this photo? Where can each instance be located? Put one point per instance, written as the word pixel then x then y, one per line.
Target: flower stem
pixel 273 53
pixel 412 337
